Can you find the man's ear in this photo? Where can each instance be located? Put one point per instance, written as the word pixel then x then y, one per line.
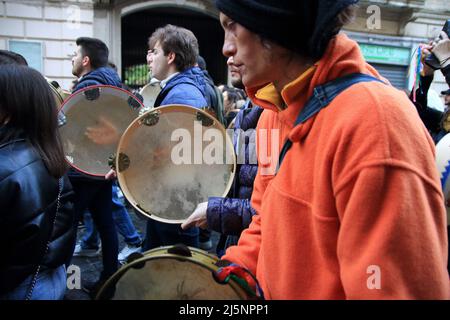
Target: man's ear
pixel 171 57
pixel 86 61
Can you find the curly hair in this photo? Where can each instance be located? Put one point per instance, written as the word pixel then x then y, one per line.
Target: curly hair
pixel 178 40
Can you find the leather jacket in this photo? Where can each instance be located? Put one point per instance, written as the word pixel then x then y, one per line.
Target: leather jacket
pixel 28 201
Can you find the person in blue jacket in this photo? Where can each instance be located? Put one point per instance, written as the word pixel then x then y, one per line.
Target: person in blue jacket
pixel 90 65
pixel 172 57
pixel 231 215
pixel 88 246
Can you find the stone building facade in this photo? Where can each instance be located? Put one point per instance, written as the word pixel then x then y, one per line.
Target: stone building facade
pixel 388 32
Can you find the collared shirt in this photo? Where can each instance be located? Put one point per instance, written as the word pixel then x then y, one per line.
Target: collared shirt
pixel 164 82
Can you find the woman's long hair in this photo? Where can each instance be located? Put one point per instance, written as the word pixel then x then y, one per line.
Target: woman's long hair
pixel 27 104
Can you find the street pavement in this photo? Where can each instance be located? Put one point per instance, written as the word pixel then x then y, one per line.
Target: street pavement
pixel 90 268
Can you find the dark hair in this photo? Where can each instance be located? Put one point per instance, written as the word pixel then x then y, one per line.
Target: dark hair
pixel 9 57
pixel 27 105
pixel 178 40
pixel 234 94
pixel 95 49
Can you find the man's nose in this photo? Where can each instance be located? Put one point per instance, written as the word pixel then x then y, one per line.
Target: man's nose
pixel 229 48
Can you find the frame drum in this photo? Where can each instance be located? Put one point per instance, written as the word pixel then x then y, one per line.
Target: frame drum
pixel 149 93
pixel 168 274
pixel 172 158
pixel 59 94
pixel 443 165
pixel 96 117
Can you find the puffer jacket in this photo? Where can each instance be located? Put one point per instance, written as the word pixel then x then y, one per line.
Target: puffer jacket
pixel 100 76
pixel 28 200
pixel 230 216
pixel 188 87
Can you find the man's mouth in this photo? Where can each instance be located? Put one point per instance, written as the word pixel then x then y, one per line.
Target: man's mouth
pixel 235 68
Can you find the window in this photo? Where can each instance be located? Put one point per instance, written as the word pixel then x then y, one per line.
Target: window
pixel 30 50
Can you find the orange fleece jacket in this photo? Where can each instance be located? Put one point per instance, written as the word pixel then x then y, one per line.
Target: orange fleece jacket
pixel 356 210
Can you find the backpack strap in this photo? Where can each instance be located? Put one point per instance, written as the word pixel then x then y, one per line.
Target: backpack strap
pixel 322 97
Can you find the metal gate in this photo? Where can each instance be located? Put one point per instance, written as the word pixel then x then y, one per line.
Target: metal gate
pixel 397 75
pixel 137 28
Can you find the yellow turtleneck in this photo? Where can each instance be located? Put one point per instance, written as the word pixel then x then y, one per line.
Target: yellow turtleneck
pixel 270 94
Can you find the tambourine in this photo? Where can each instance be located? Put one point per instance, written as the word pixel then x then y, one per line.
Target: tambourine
pixel 58 93
pixel 170 273
pixel 149 93
pixel 95 119
pixel 443 165
pixel 172 158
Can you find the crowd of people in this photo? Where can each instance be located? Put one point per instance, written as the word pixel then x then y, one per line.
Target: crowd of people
pixel 351 183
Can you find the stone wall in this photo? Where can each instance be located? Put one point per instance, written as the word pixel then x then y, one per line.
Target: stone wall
pixel 55 24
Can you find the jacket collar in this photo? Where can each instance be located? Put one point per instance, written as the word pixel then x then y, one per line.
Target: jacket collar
pixel 12 135
pixel 164 82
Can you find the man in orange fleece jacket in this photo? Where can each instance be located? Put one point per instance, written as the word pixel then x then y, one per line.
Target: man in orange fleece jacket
pixel 355 210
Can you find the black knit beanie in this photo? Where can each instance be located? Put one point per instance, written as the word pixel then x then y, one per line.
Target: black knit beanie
pixel 303 26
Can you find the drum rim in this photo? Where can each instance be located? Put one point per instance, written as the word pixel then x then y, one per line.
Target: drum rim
pixel 60 98
pixel 55 90
pixel 124 186
pixel 231 125
pixel 72 95
pixel 76 95
pixel 148 85
pixel 240 292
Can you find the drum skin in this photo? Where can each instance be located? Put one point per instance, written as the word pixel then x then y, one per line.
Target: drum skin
pixel 149 93
pixel 152 172
pixel 95 119
pixel 443 165
pixel 163 275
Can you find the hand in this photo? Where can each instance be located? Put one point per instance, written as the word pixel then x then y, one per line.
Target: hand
pixel 426 70
pixel 104 133
pixel 111 175
pixel 197 218
pixel 442 51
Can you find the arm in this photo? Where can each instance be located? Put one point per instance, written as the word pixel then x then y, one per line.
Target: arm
pixel 430 117
pixel 422 93
pixel 400 231
pixel 229 216
pixel 247 251
pixel 427 75
pixel 64 232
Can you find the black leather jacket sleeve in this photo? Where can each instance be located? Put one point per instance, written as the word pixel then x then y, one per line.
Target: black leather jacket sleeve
pixel 28 201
